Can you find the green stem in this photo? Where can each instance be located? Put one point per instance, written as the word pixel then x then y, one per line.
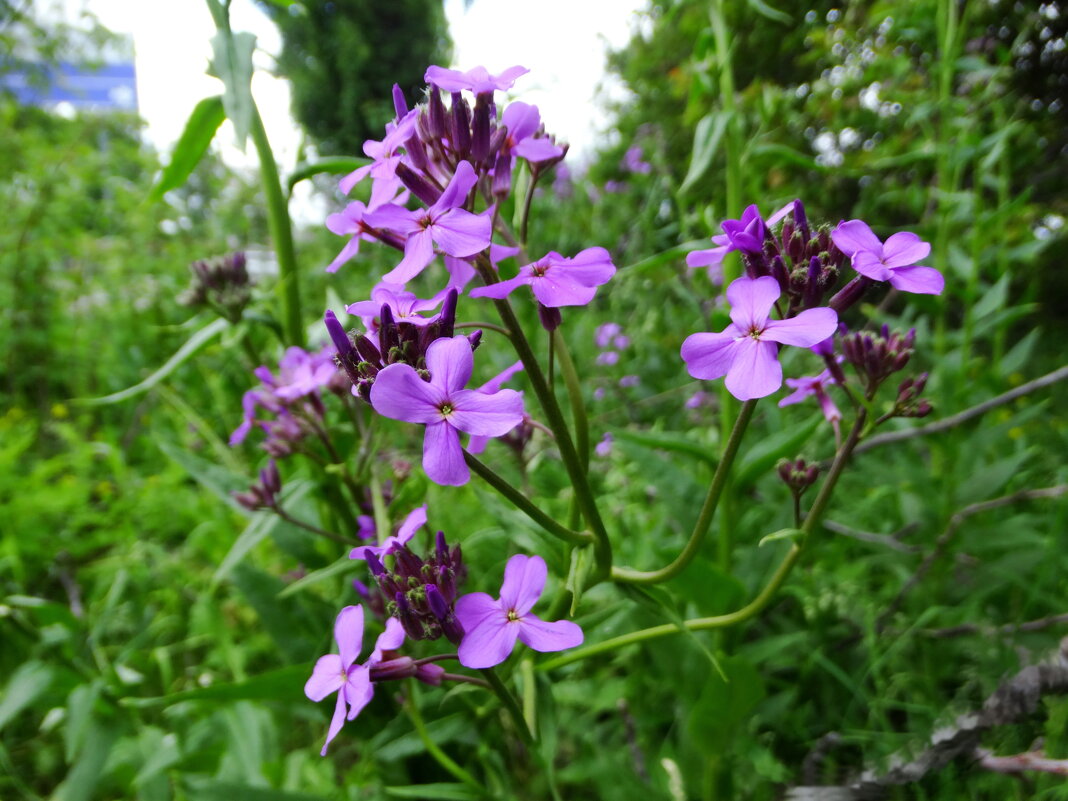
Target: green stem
pixel 510 705
pixel 574 394
pixel 555 418
pixel 313 529
pixel 281 234
pixel 433 749
pixel 704 519
pixel 755 606
pixel 524 505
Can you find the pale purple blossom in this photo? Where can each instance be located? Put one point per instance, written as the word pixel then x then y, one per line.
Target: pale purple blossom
pixel 896 260
pixel 746 234
pixel 338 673
pixel 604 447
pixel 491 626
pixel 477 80
pixel 746 351
pixel 477 444
pixel 455 231
pixel 604 334
pixel 807 386
pixel 300 373
pixel 383 167
pixel 633 162
pixel 350 222
pixel 556 280
pixel 404 305
pixel 445 407
pixel 607 358
pixel 523 121
pixel 415 520
pixel 629 381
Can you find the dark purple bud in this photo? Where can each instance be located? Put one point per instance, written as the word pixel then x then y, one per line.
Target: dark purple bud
pixel 337 334
pixel 498 137
pixel 502 175
pixel 778 272
pixel 400 105
pixel 416 151
pixel 813 286
pixel 270 479
pixel 453 629
pixel 436 121
pixel 249 500
pixel 436 602
pixel 475 338
pixel 402 667
pixel 447 319
pixel 801 218
pixel 460 119
pixel 418 185
pixel 430 674
pixel 441 548
pixel 388 338
pixel 378 570
pixel 367 350
pixel 408 564
pixel 550 317
pixel 849 294
pixel 480 132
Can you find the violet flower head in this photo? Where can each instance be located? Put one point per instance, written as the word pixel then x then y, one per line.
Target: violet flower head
pixel 415 520
pixel 445 407
pixel 404 305
pixel 477 80
pixel 338 673
pixel 383 168
pixel 896 260
pixel 747 235
pixel 556 280
pixel 457 232
pixel 746 351
pixel 806 387
pixel 492 626
pixel 523 121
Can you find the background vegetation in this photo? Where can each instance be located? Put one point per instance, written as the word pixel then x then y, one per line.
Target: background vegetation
pixel 156 637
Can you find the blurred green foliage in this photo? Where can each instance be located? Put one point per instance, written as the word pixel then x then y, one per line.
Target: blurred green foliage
pixel 156 637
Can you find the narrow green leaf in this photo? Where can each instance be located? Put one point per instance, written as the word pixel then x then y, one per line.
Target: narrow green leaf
pixel 199 130
pixel 334 165
pixel 782 534
pixel 762 8
pixel 191 346
pixel 706 139
pixel 85 773
pixel 233 66
pixel 28 682
pixel 667 441
pixel 342 565
pixel 761 457
pixel 283 684
pixel 258 529
pixel 212 790
pixel 440 790
pixel 213 477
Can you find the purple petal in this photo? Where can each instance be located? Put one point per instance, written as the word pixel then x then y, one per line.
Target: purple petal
pixel 751 300
pixel 755 371
pixel 559 287
pixel 537 149
pixel 348 252
pixel 479 413
pixel 521 119
pixel 501 289
pixel 904 249
pixel 870 266
pixel 921 280
pixel 709 356
pixel 389 640
pixel 443 458
pixel 418 253
pixel 488 644
pixel 327 677
pixel 450 362
pixel 706 258
pixel 449 80
pixel 855 236
pixel 524 579
pixel 400 394
pixel 781 213
pixel 461 233
pixel 412 523
pixel 336 722
pixel 591 267
pixel 495 383
pixel 395 218
pixel 358 690
pixel 476 445
pixel 348 632
pixel 353 178
pixel 508 77
pixel 499 253
pixel 546 637
pixel 455 194
pixel 460 272
pixel 809 328
pixel 473 609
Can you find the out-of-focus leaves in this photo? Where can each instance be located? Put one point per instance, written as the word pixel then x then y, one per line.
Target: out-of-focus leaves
pixel 762 457
pixel 232 64
pixel 26 684
pixel 335 165
pixel 706 139
pixel 199 130
pixel 213 477
pixel 283 684
pixel 440 790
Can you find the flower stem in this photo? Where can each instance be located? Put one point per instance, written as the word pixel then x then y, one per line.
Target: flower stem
pixel 524 505
pixel 704 519
pixel 574 394
pixel 755 606
pixel 313 529
pixel 510 705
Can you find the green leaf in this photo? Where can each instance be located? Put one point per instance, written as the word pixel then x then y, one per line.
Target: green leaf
pixel 85 773
pixel 762 8
pixel 761 457
pixel 669 441
pixel 342 565
pixel 213 477
pixel 706 139
pixel 259 528
pixel 191 346
pixel 725 705
pixel 199 130
pixel 993 300
pixel 334 165
pixel 233 66
pixel 439 790
pixel 782 534
pixel 283 684
pixel 577 574
pixel 212 790
pixel 29 681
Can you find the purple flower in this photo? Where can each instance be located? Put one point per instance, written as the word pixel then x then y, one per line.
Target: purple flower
pixel 633 162
pixel 457 232
pixel 523 121
pixel 604 334
pixel 629 381
pixel 607 358
pixel 814 385
pixel 477 444
pixel 338 673
pixel 491 627
pixel 746 235
pixel 746 351
pixel 383 169
pixel 415 520
pixel 604 447
pixel 404 305
pixel 558 281
pixel 350 222
pixel 477 80
pixel 445 407
pixel 895 260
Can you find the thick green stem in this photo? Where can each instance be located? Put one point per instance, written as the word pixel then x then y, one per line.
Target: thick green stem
pixel 704 519
pixel 511 705
pixel 281 234
pixel 761 601
pixel 524 505
pixel 555 418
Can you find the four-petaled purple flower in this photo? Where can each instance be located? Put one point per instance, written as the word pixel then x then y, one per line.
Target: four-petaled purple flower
pixel 383 169
pixel 746 351
pixel 522 121
pixel 746 235
pixel 491 627
pixel 404 305
pixel 415 520
pixel 556 280
pixel 896 260
pixel 477 80
pixel 814 385
pixel 338 673
pixel 445 407
pixel 457 232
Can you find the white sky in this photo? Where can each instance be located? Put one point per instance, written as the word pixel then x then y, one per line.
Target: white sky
pixel 563 42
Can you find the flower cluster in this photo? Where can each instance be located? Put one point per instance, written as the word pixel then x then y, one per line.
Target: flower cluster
pixel 221 283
